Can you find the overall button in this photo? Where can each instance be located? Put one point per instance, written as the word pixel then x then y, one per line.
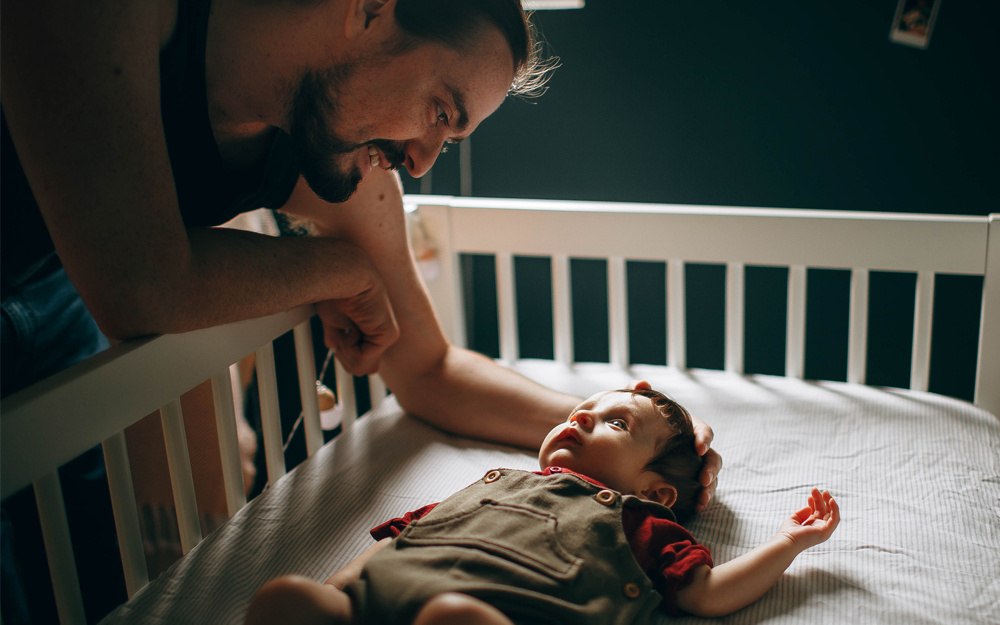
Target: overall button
pixel 555 469
pixel 631 590
pixel 606 497
pixel 492 476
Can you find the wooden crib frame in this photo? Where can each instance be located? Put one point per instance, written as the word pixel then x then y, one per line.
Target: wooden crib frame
pixel 96 400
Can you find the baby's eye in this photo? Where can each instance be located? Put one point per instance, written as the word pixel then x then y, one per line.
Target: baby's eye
pixel 619 423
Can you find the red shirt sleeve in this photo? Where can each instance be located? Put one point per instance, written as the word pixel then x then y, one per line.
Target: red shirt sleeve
pixel 665 551
pixel 393 527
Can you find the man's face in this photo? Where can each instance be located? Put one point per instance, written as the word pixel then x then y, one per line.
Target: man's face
pixel 393 111
pixel 610 437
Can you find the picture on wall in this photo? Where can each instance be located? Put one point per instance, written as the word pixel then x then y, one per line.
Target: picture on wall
pixel 913 22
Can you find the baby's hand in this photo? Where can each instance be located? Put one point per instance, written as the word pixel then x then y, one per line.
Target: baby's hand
pixel 813 524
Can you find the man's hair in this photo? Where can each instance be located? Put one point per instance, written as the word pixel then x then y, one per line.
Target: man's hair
pixel 675 460
pixel 455 24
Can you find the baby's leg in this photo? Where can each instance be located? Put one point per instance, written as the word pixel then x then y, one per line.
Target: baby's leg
pixel 452 608
pixel 300 601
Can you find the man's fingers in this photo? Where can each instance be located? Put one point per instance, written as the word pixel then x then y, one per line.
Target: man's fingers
pixel 705 497
pixel 710 470
pixel 703 436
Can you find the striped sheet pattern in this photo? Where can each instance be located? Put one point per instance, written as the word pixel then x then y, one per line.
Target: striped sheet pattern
pixel 917 476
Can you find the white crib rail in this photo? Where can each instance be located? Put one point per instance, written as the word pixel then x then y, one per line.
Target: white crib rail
pixel 57 419
pixel 797 239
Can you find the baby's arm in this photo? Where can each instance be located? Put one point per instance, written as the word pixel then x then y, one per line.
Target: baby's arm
pixel 741 581
pixel 298 600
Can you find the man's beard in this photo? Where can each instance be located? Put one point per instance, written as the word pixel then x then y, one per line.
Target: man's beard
pixel 317 147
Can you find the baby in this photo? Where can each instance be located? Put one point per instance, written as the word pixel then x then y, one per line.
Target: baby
pixel 592 538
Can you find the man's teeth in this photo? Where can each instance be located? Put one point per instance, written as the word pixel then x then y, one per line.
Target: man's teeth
pixel 373 156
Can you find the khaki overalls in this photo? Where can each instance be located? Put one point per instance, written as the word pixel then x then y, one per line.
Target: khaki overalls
pixel 542 549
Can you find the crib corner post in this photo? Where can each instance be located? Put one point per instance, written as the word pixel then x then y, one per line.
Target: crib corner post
pixel 988 363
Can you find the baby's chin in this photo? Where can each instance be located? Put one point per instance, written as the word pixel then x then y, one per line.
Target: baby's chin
pixel 556 458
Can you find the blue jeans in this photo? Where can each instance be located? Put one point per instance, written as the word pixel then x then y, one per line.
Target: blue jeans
pixel 45 328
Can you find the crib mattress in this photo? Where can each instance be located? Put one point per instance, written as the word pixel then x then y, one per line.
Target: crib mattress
pixel 917 476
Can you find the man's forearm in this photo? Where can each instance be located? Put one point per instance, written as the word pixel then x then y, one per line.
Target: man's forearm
pixel 449 387
pixel 470 395
pixel 228 276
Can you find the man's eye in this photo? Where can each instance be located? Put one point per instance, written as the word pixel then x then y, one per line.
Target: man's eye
pixel 441 116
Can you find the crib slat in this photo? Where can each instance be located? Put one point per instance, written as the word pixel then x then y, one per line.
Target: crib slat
pixel 561 304
pixel 125 511
pixel 923 313
pixel 181 478
pixel 734 317
pixel 59 549
pixel 345 396
pixel 306 361
pixel 857 341
pixel 270 413
pixel 229 440
pixel 376 389
pixel 795 336
pixel 988 363
pixel 506 308
pixel 453 272
pixel 676 340
pixel 618 311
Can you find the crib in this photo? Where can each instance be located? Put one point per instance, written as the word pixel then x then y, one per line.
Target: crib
pixel 313 519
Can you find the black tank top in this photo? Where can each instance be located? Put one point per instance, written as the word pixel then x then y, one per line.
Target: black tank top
pixel 208 193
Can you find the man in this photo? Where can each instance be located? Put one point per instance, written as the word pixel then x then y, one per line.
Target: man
pixel 341 91
pixel 130 127
pixel 139 124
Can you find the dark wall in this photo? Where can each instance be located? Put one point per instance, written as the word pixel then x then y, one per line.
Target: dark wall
pixel 753 103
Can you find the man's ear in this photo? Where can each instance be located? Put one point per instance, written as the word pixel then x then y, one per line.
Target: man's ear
pixel 363 14
pixel 660 492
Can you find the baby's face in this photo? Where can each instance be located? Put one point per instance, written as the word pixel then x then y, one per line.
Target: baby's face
pixel 610 437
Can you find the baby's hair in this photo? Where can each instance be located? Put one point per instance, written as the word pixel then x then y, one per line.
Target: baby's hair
pixel 675 460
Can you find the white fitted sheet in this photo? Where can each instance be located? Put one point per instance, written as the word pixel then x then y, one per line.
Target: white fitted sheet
pixel 917 477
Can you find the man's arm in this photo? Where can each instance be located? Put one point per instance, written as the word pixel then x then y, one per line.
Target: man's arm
pixel 741 581
pixel 452 388
pixel 80 85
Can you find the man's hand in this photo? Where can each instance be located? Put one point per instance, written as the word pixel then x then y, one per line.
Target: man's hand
pixel 359 329
pixel 813 524
pixel 703 436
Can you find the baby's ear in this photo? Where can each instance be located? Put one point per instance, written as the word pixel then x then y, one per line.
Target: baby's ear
pixel 638 385
pixel 660 492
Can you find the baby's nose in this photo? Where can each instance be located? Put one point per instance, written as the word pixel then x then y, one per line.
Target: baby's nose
pixel 583 419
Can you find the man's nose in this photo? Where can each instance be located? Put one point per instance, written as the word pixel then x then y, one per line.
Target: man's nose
pixel 420 155
pixel 584 419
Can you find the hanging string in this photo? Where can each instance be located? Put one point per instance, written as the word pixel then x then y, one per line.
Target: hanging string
pixel 319 380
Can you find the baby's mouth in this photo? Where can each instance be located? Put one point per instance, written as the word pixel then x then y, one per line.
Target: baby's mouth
pixel 569 433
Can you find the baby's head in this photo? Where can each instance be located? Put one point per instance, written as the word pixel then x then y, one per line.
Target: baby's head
pixel 636 441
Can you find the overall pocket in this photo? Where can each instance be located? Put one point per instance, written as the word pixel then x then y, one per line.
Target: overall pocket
pixel 517 534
